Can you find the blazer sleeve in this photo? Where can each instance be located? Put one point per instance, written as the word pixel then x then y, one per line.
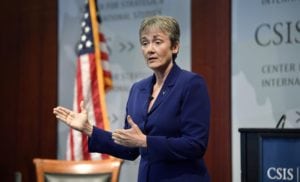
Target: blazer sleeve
pixel 194 130
pixel 101 141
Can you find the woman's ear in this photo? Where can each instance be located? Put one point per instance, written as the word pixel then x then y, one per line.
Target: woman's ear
pixel 175 48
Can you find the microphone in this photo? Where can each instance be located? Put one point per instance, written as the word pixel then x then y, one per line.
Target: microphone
pixel 150 98
pixel 281 121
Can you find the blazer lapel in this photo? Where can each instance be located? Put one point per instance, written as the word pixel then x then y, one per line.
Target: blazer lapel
pixel 167 87
pixel 145 93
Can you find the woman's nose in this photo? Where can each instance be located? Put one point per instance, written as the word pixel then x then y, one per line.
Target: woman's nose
pixel 150 48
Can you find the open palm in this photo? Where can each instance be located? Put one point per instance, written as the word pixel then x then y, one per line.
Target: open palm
pixel 73 119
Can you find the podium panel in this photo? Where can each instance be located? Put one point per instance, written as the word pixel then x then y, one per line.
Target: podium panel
pixel 270 155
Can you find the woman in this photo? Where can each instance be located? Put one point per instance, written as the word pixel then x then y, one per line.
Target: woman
pixel 167 113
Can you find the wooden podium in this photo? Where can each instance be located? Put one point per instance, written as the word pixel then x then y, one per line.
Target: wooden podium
pixel 270 154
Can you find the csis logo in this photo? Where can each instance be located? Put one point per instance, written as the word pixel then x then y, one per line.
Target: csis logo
pixel 283 174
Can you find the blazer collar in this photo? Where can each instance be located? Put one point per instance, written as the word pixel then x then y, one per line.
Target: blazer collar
pixel 146 88
pixel 170 80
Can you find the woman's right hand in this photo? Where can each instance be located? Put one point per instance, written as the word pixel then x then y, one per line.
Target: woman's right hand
pixel 77 121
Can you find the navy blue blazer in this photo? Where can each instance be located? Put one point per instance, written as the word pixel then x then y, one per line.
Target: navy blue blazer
pixel 177 129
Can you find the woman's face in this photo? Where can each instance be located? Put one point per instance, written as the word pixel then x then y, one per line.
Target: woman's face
pixel 157 49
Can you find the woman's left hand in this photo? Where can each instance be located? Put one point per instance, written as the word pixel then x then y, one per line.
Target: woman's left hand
pixel 132 137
